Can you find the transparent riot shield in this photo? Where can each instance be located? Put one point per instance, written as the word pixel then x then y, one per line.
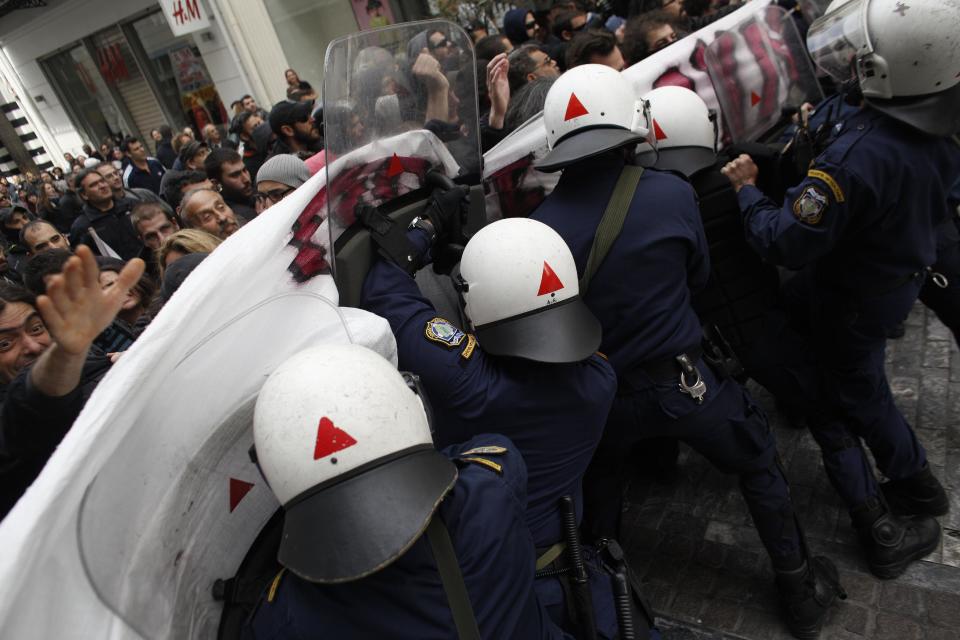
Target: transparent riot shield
pixel 758 67
pixel 400 103
pixel 180 502
pixel 813 9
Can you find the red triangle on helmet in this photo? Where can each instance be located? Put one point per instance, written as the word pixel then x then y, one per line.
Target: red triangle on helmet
pixel 331 439
pixel 754 99
pixel 575 108
pixel 658 131
pixel 549 282
pixel 238 489
pixel 395 168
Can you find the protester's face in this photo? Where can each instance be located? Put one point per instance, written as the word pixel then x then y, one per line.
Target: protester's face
pixel 211 134
pixel 546 66
pixel 270 192
pixel 236 178
pixel 673 7
pixel 306 131
pixel 18 220
pixel 250 104
pixel 154 230
pixel 196 162
pixel 132 299
pixel 23 337
pixel 44 237
pixel 68 157
pixel 292 78
pixel 356 129
pixel 112 176
pixel 438 45
pixel 155 134
pixel 577 25
pixel 614 59
pixel 136 151
pixel 50 190
pixel 660 37
pixel 531 26
pixel 95 189
pixel 45 177
pixel 206 210
pixel 250 124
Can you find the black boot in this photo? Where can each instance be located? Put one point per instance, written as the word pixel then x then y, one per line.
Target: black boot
pixel 892 542
pixel 921 494
pixel 806 594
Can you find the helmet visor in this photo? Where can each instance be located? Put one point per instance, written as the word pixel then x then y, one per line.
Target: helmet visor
pixel 838 39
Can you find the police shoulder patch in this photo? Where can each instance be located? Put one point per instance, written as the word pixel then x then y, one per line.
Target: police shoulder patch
pixel 483 462
pixel 808 207
pixel 444 332
pixel 490 450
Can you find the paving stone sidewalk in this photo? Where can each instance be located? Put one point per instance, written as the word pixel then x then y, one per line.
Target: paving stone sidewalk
pixel 705 572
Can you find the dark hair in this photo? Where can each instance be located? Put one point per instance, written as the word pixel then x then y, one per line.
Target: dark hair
pixel 165 132
pixel 33 224
pixel 146 210
pixel 488 47
pixel 522 64
pixel 176 181
pixel 129 140
pixel 146 286
pixel 564 22
pixel 43 264
pixel 527 102
pixel 245 96
pixel 586 45
pixel 83 174
pixel 214 162
pixel 635 33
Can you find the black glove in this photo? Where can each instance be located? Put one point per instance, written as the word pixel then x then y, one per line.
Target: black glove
pixel 447 212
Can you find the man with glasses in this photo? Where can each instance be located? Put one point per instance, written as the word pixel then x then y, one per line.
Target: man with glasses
pixel 112 176
pixel 279 176
pixel 528 63
pixel 520 26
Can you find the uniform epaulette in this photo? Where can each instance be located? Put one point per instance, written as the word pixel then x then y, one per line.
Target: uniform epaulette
pixel 483 462
pixel 272 592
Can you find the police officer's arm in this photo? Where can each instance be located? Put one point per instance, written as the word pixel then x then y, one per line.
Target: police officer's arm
pixel 698 262
pixel 441 354
pixel 812 217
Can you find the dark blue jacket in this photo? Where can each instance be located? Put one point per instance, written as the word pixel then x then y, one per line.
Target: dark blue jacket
pixel 866 211
pixel 554 413
pixel 484 513
pixel 641 292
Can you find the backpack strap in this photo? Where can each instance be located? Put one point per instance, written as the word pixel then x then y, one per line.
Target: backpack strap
pixel 452 578
pixel 611 223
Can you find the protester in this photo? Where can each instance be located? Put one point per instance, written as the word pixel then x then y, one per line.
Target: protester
pixel 211 135
pixel 153 224
pixel 296 131
pixel 279 177
pixel 205 209
pixel 183 243
pixel 40 235
pixel 595 46
pixel 141 171
pixel 489 47
pixel 104 225
pixel 647 34
pixel 227 170
pixel 41 266
pixel 297 89
pixel 529 62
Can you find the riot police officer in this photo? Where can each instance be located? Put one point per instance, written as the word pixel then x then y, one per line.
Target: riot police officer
pixel 862 221
pixel 526 367
pixel 640 249
pixel 385 537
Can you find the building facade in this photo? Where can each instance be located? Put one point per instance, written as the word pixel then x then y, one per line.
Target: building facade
pixel 76 71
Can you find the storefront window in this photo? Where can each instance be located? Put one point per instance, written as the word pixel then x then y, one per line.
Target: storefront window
pixel 85 94
pixel 178 70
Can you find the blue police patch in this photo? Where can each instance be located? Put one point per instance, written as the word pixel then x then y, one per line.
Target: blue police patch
pixel 808 208
pixel 443 332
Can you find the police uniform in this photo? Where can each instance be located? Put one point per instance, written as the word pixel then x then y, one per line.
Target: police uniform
pixel 554 413
pixel 642 295
pixel 864 219
pixel 484 513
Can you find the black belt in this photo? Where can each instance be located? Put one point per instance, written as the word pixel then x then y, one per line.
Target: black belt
pixel 662 370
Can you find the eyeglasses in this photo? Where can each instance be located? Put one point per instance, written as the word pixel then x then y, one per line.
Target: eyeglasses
pixel 274 195
pixel 530 25
pixel 438 45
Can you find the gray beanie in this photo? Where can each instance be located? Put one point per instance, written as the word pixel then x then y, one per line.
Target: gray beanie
pixel 285 169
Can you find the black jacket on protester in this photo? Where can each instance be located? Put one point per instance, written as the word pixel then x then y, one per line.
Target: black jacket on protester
pixel 32 425
pixel 112 226
pixel 165 154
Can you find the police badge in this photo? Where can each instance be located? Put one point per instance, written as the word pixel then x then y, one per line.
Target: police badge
pixel 808 208
pixel 443 332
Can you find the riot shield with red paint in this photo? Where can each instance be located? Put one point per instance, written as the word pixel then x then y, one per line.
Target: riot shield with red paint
pixel 759 68
pixel 400 104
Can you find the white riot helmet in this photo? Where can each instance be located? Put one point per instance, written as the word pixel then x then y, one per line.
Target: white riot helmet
pixel 520 291
pixel 904 55
pixel 590 109
pixel 345 445
pixel 685 131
